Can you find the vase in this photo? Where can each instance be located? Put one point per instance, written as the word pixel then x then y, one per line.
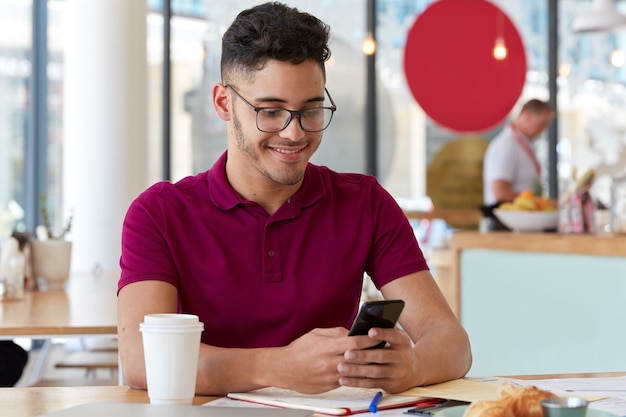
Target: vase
pixel 50 262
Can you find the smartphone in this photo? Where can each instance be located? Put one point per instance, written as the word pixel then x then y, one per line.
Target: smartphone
pixel 383 314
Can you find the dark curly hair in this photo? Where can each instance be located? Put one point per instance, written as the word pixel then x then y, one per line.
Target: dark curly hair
pixel 272 31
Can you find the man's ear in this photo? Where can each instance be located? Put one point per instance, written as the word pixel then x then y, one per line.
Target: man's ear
pixel 221 102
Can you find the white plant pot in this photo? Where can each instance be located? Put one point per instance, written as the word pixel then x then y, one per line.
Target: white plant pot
pixel 51 262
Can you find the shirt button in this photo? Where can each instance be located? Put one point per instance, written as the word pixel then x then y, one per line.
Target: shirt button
pixel 270 253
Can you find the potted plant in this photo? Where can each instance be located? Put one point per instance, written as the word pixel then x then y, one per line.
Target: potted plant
pixel 51 252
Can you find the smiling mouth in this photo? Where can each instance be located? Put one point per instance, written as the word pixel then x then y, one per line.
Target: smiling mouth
pixel 288 151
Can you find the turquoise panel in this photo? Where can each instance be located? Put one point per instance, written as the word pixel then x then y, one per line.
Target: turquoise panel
pixel 536 313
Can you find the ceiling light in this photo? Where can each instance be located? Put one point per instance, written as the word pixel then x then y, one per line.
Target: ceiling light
pixel 499 49
pixel 617 58
pixel 602 17
pixel 369 46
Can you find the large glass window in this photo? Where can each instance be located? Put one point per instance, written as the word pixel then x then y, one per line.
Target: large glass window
pixel 19 158
pixel 591 83
pixel 15 69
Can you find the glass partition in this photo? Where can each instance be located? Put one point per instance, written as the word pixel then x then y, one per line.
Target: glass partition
pixel 15 69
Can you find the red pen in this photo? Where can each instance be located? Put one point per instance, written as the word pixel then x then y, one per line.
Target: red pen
pixel 429 401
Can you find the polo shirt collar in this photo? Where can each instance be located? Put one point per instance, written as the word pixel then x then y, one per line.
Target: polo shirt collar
pixel 226 198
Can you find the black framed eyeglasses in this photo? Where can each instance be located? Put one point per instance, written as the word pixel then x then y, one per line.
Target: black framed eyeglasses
pixel 275 119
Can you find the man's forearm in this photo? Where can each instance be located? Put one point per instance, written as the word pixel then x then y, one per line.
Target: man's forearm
pixel 222 370
pixel 443 355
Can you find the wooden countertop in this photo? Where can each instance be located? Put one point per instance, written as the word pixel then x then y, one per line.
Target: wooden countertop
pixel 579 244
pixel 465 219
pixel 34 401
pixel 88 305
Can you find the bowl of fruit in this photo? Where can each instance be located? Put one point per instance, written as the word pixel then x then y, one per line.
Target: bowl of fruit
pixel 528 213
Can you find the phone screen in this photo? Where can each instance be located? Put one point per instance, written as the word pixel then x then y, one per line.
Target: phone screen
pixel 383 314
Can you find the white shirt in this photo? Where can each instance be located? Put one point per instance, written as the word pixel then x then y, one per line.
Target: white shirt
pixel 505 159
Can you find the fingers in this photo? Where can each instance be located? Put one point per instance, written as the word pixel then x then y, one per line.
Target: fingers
pixel 331 332
pixel 392 377
pixel 342 342
pixel 330 357
pixel 389 338
pixel 386 376
pixel 392 336
pixel 388 368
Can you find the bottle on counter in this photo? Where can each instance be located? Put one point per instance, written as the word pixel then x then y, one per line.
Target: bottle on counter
pixel 618 204
pixel 12 270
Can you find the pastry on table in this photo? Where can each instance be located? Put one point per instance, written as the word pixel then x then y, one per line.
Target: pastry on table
pixel 512 401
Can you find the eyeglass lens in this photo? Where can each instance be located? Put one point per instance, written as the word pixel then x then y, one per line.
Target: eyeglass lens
pixel 276 119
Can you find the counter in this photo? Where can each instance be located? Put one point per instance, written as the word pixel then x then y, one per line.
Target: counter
pixel 462 219
pixel 538 302
pixel 582 244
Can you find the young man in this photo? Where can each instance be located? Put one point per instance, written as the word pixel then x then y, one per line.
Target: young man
pixel 510 165
pixel 270 250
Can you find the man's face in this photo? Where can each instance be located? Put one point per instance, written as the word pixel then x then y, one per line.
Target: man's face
pixel 539 123
pixel 279 157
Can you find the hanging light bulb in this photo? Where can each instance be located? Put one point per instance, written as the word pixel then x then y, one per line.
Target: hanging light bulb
pixel 500 50
pixel 617 58
pixel 369 46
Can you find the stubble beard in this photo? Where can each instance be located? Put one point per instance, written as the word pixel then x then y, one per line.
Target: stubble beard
pixel 287 176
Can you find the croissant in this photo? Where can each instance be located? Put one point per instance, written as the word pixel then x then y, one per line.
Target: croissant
pixel 488 409
pixel 524 402
pixel 513 401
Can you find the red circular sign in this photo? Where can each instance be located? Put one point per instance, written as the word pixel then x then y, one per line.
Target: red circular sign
pixel 451 70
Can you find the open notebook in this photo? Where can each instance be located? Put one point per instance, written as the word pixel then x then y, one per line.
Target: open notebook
pixel 340 401
pixel 148 410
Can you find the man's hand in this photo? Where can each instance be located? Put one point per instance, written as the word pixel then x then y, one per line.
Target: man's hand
pixel 392 368
pixel 310 364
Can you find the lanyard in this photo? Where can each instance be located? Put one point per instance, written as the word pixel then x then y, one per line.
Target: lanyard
pixel 524 144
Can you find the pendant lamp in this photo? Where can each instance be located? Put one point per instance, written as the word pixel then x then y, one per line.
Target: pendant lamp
pixel 602 17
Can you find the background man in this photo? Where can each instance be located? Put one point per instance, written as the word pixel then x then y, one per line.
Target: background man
pixel 510 165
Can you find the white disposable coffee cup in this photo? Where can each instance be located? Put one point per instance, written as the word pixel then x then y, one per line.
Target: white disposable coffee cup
pixel 171 345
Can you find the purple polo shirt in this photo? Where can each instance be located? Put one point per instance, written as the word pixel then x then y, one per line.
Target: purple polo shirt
pixel 258 280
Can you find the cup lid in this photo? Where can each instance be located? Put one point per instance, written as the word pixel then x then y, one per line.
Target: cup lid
pixel 170 319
